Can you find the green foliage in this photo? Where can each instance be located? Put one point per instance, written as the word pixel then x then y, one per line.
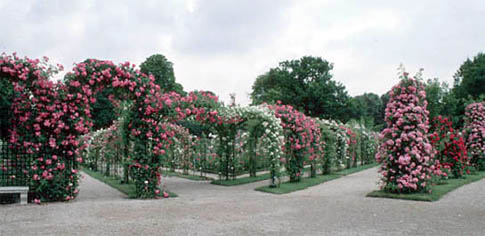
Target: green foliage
pixel 305 183
pixel 103 111
pixel 6 95
pixel 330 150
pixel 162 69
pixel 368 108
pixel 244 180
pixel 470 78
pixel 307 85
pixel 468 88
pixel 196 128
pixel 436 93
pixel 189 177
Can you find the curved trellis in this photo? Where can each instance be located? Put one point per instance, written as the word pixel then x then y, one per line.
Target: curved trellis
pixel 265 134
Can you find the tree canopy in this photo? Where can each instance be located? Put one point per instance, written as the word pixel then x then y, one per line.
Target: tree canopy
pixel 436 93
pixel 470 78
pixel 369 108
pixel 306 84
pixel 162 70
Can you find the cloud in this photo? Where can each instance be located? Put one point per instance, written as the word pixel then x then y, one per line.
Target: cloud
pixel 222 27
pixel 224 45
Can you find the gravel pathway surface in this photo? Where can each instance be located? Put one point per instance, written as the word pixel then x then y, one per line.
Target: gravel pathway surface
pixel 338 207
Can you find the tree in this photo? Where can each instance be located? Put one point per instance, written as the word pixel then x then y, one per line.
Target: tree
pixel 369 108
pixel 467 89
pixel 470 78
pixel 307 85
pixel 435 95
pixel 162 70
pixel 103 111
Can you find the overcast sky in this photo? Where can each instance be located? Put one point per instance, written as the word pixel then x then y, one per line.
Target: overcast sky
pixel 223 45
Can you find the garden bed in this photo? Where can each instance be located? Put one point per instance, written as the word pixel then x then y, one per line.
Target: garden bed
pixel 437 191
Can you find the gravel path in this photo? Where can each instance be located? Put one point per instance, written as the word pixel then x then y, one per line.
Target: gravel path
pixel 338 207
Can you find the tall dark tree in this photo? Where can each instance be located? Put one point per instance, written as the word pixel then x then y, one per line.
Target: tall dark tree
pixel 469 87
pixel 162 70
pixel 436 92
pixel 381 124
pixel 306 84
pixel 369 108
pixel 103 111
pixel 470 78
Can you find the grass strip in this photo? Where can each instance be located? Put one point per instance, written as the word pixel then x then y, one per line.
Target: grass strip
pixel 288 187
pixel 243 180
pixel 115 182
pixel 437 191
pixel 190 177
pixel 246 180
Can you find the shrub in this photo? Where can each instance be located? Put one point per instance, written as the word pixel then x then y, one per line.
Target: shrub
pixel 475 131
pixel 450 146
pixel 405 153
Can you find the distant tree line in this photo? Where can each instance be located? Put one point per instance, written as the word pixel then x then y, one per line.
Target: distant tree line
pixel 307 84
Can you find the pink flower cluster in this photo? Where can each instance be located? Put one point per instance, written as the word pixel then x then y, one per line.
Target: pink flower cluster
pixel 302 137
pixel 406 155
pixel 40 126
pixel 202 105
pixel 475 131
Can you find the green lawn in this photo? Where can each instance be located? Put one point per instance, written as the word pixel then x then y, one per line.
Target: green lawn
pixel 114 182
pixel 190 177
pixel 437 191
pixel 244 180
pixel 288 187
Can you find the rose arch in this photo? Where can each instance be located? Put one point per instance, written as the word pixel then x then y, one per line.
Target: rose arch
pixel 49 118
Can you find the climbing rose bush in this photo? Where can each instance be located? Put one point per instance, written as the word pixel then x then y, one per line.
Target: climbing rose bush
pixel 180 153
pixel 475 132
pixel 367 140
pixel 450 146
pixel 302 139
pixel 144 126
pixel 351 139
pixel 42 128
pixel 406 154
pixel 342 142
pixel 265 136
